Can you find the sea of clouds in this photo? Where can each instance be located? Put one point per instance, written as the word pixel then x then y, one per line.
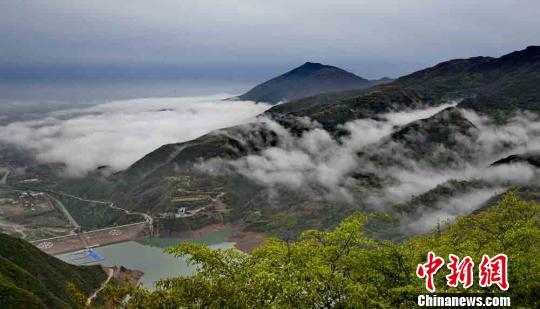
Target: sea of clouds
pixel 318 157
pixel 118 133
pixel 321 163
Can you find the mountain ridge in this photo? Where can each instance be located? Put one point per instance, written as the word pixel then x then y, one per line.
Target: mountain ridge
pixel 161 180
pixel 489 85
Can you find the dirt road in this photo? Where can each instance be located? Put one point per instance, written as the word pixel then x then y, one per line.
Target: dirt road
pixel 110 274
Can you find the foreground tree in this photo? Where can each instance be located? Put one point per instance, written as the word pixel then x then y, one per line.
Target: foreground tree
pixel 344 268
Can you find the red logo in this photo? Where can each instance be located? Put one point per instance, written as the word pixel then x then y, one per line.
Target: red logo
pixel 491 271
pixel 494 270
pixel 429 269
pixel 460 272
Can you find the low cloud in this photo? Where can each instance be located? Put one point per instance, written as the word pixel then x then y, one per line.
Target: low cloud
pixel 521 133
pixel 118 133
pixel 447 210
pixel 412 182
pixel 494 180
pixel 402 118
pixel 318 162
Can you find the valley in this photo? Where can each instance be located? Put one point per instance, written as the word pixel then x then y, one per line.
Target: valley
pixel 254 154
pixel 412 155
pixel 311 162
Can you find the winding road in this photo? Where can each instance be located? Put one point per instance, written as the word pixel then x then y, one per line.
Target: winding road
pixel 110 274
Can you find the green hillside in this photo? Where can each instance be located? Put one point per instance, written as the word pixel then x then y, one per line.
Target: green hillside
pixel 30 278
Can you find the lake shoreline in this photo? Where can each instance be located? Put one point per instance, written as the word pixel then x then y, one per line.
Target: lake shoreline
pixel 146 258
pixel 244 241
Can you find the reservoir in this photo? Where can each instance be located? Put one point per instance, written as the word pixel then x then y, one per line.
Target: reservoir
pixel 148 256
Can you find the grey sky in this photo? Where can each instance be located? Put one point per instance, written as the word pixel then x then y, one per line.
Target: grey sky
pixel 258 38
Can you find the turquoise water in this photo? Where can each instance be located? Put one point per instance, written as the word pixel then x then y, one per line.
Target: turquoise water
pixel 212 239
pixel 148 256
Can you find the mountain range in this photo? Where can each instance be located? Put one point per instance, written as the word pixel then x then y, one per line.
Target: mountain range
pixel 222 164
pixel 427 147
pixel 485 84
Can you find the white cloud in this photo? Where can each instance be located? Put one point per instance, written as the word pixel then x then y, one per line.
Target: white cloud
pixel 317 159
pixel 401 118
pixel 319 163
pixel 119 133
pixel 447 210
pixel 519 134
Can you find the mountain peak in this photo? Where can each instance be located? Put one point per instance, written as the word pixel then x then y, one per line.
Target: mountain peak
pixel 309 79
pixel 315 66
pixel 312 65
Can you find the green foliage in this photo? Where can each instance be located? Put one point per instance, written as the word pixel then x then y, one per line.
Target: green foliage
pixel 283 225
pixel 78 299
pixel 512 227
pixel 344 268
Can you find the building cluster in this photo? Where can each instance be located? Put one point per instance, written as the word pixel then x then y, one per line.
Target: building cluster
pixel 182 212
pixel 28 198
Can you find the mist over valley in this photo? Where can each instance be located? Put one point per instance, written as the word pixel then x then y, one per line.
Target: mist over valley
pixel 304 154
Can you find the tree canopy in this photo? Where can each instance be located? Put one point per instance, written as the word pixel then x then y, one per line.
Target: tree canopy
pixel 344 268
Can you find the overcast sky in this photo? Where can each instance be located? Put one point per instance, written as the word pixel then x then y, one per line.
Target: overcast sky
pixel 259 38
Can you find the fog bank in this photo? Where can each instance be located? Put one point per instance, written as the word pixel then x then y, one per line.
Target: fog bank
pixel 118 133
